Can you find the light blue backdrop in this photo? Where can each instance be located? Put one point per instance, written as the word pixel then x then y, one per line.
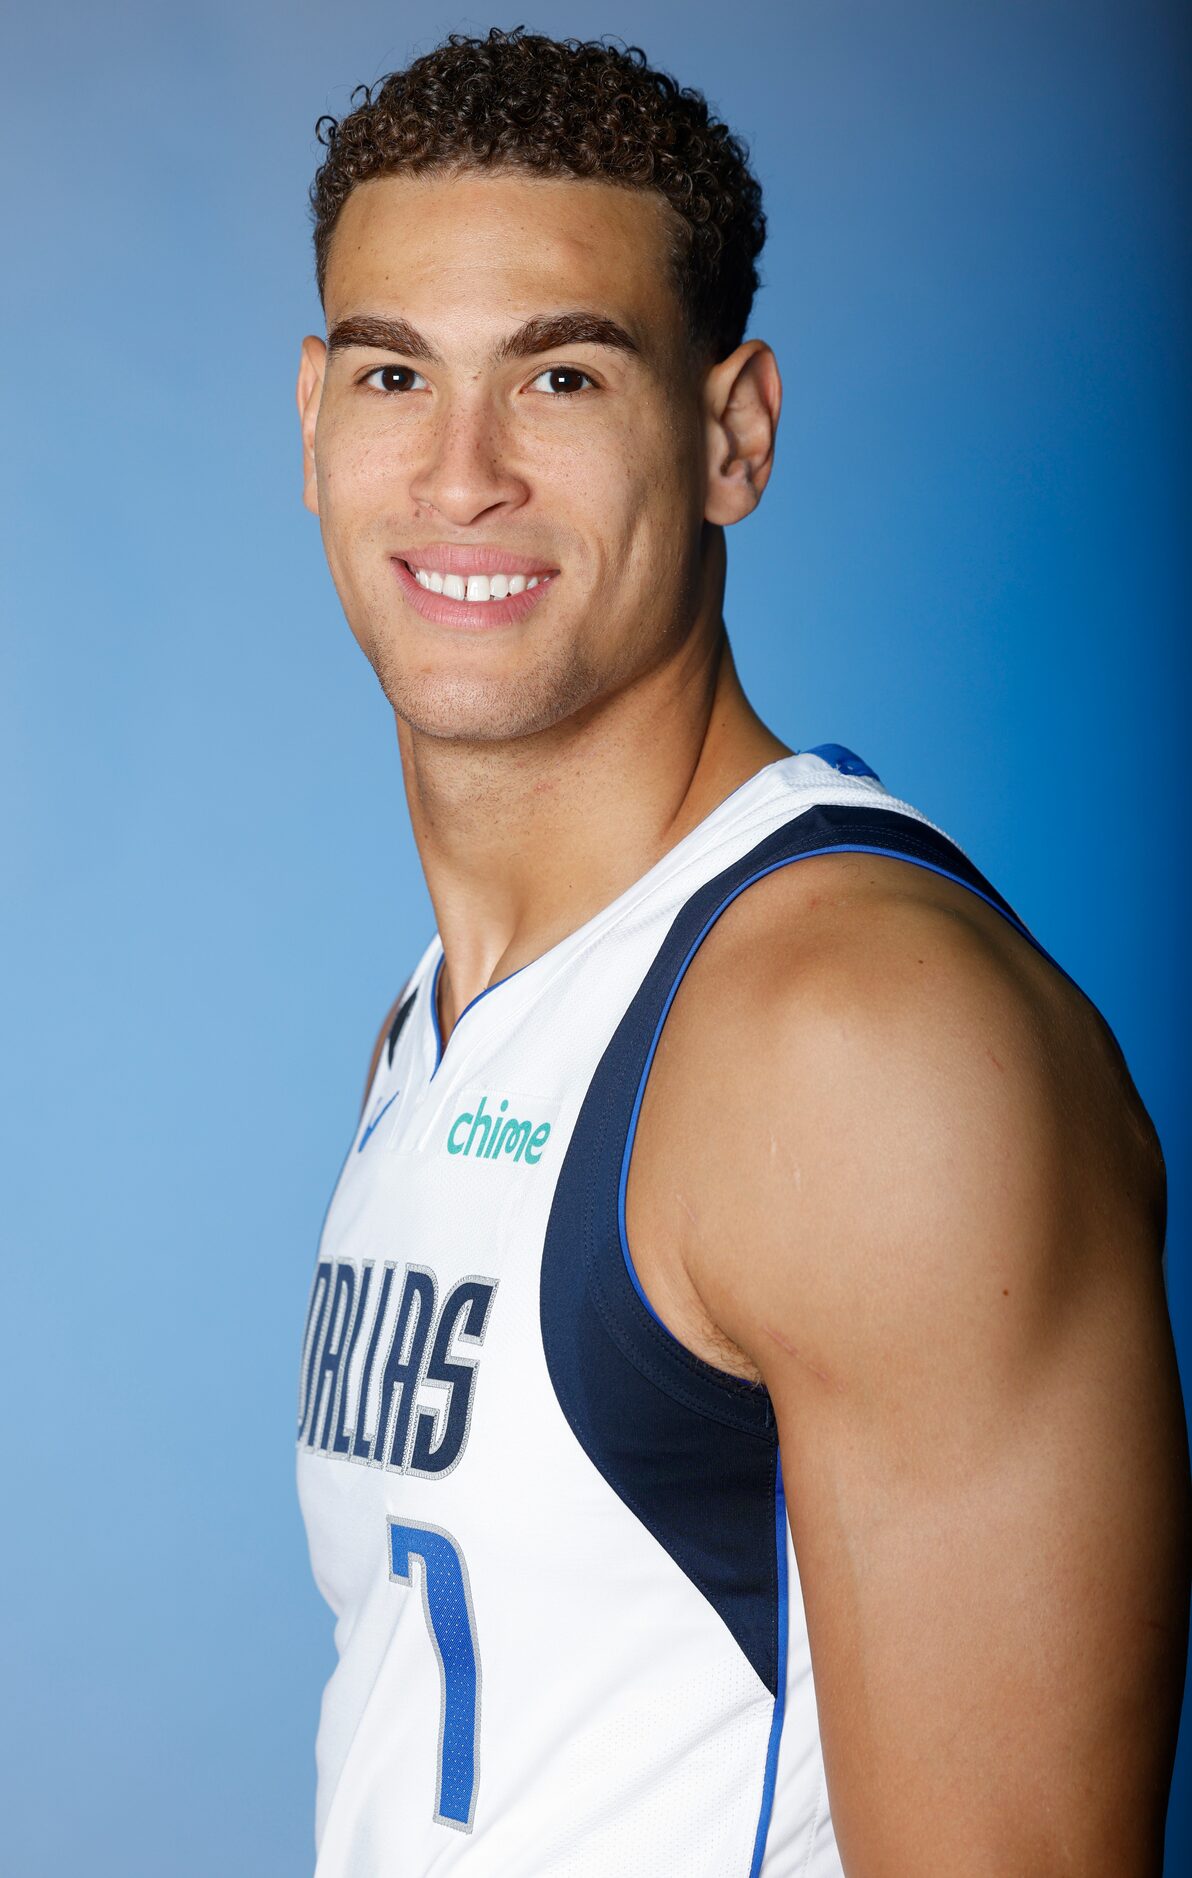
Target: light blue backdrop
pixel 968 567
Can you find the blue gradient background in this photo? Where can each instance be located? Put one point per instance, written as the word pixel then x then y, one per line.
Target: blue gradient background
pixel 968 567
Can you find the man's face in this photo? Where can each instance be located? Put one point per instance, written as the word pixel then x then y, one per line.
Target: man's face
pixel 581 458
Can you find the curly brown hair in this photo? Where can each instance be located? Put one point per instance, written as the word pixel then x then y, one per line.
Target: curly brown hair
pixel 565 107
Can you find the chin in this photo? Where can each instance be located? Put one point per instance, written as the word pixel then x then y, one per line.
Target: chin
pixel 469 709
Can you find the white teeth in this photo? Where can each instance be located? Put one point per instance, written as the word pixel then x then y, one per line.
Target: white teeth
pixel 475 587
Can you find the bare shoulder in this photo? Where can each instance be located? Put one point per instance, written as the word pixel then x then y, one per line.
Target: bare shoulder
pixel 858 1036
pixel 891 1163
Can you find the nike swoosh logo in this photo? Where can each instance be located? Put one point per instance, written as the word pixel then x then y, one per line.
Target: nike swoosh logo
pixel 376 1118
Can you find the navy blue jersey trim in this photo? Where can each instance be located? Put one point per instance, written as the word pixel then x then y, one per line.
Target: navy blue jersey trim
pixel 397 1026
pixel 434 1012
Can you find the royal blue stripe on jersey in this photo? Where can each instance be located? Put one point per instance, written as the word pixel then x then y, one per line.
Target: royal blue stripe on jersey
pixel 846 761
pixel 775 1742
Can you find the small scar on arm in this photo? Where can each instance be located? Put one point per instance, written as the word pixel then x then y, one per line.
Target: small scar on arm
pixel 784 1343
pixel 776 1150
pixel 682 1202
pixel 993 1060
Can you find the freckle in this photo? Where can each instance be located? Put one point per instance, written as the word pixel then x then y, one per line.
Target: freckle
pixel 1005 1294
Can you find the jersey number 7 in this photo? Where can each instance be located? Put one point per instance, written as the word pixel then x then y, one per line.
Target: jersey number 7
pixel 447 1604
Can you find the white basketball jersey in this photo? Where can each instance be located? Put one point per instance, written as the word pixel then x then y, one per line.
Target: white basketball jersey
pixel 570 1634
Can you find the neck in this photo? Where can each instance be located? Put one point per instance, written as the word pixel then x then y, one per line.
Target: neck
pixel 523 843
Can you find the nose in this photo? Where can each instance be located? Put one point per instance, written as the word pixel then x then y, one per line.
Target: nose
pixel 466 473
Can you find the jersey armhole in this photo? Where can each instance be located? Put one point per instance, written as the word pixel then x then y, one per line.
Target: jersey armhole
pixel 827 829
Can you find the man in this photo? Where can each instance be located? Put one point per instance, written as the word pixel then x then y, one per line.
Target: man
pixel 739 1427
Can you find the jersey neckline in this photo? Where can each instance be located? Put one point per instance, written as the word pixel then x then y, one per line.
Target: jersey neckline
pixel 671 860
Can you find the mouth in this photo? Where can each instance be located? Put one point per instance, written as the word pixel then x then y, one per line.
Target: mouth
pixel 475 589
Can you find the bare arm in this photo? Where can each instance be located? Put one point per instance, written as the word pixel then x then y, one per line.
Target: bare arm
pixel 932 1228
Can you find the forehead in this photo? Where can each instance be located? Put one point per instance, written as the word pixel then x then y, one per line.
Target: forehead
pixel 481 250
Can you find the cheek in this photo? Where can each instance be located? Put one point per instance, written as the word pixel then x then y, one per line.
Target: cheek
pixel 356 472
pixel 656 500
pixel 627 485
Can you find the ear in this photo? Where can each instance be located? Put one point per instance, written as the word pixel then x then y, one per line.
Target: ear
pixel 743 396
pixel 310 390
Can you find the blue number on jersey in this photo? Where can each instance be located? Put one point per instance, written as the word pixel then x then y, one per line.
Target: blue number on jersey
pixel 447 1602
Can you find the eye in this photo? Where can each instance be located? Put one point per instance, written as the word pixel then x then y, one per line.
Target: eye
pixel 388 373
pixel 555 372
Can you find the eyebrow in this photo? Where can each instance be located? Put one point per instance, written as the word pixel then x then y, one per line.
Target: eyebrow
pixel 545 332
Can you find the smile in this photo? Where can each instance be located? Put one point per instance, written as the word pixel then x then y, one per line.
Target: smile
pixel 473 596
pixel 473 587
